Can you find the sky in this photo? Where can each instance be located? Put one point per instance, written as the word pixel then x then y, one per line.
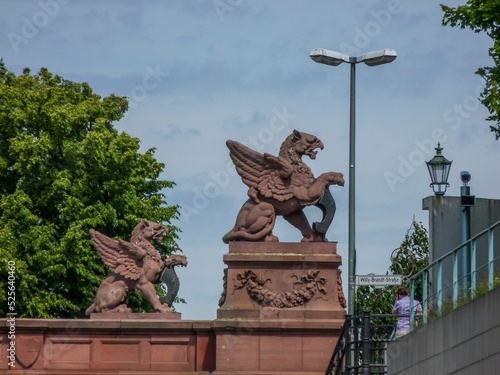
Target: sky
pixel 198 73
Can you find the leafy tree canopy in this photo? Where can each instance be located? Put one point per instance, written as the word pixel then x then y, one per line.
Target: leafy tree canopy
pixel 65 169
pixel 482 16
pixel 408 259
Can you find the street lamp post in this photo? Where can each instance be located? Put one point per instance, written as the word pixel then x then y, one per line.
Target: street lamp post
pixel 333 58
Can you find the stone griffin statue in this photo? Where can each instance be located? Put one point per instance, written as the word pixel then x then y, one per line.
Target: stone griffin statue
pixel 135 265
pixel 282 186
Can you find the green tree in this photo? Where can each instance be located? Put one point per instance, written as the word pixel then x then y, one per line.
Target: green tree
pixel 482 16
pixel 65 169
pixel 407 260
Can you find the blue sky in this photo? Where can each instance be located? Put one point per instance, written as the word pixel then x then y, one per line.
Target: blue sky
pixel 200 72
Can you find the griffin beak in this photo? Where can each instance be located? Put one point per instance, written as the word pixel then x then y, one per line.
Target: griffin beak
pixel 312 150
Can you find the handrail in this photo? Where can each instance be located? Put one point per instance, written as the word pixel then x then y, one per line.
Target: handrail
pixel 338 354
pixel 469 241
pixel 469 279
pixel 362 344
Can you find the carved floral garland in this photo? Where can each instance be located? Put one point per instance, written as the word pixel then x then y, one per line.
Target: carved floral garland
pixel 311 285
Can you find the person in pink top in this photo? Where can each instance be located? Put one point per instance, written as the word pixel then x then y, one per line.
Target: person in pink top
pixel 402 307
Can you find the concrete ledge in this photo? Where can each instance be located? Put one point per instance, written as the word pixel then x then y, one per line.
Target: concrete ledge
pixel 293 314
pixel 281 258
pixel 283 247
pixel 136 316
pixel 308 325
pixel 104 372
pixel 107 324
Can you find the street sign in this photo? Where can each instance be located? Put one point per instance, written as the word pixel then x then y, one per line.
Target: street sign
pixel 380 280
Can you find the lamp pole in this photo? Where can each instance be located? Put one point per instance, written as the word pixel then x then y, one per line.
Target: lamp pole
pixel 351 261
pixel 466 202
pixel 333 58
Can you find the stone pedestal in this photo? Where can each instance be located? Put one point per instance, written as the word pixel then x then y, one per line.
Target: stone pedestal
pixel 281 312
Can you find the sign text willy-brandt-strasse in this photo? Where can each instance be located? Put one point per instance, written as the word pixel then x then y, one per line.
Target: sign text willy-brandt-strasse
pixel 380 279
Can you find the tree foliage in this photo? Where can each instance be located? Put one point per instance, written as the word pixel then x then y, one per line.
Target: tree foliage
pixel 65 169
pixel 408 259
pixel 482 16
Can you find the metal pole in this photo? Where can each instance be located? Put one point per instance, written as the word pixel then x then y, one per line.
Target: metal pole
pixel 352 183
pixel 465 229
pixel 349 345
pixel 365 362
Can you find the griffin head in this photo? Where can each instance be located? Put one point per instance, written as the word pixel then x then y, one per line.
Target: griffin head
pixel 305 144
pixel 151 231
pixel 176 260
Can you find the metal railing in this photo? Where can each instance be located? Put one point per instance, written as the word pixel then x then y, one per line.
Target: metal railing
pixel 441 282
pixel 362 345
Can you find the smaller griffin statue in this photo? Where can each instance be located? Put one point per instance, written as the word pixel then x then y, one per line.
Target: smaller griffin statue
pixel 281 186
pixel 135 265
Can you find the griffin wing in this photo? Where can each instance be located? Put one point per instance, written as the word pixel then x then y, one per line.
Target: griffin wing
pixel 122 257
pixel 267 174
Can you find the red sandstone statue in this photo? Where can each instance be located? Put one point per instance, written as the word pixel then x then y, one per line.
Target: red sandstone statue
pixel 134 265
pixel 282 186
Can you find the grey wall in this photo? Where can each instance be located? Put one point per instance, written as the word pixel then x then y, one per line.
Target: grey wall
pixel 444 221
pixel 463 342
